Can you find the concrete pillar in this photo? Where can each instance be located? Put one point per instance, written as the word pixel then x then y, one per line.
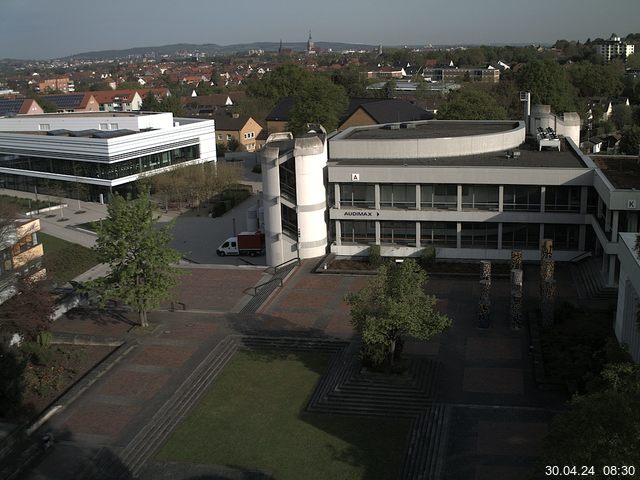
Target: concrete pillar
pixel 607 221
pixel 611 279
pixel 632 222
pixel 418 197
pixel 615 215
pixel 377 232
pixel 418 245
pixel 582 237
pixel 338 233
pixel 584 195
pixel 500 202
pixel 543 194
pixel 336 193
pixel 458 235
pixel 500 236
pixel 605 257
pixel 459 199
pixel 599 207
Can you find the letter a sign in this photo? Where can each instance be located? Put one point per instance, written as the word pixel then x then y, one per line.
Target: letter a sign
pixel 355 177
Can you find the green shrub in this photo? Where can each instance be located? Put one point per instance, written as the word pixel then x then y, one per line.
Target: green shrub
pixel 38 354
pixel 44 339
pixel 427 257
pixel 375 259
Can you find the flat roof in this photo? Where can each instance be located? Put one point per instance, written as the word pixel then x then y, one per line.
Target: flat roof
pixel 623 171
pixel 529 157
pixel 431 129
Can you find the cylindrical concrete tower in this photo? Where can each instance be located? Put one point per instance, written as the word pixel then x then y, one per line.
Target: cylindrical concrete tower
pixel 311 159
pixel 271 205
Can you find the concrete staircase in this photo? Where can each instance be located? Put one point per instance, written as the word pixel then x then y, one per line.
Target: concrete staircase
pixel 263 292
pixel 427 441
pixel 590 282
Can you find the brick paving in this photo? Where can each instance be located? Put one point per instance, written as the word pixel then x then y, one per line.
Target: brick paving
pixel 479 367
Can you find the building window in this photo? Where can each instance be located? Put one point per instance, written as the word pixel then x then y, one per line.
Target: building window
pixel 521 198
pixel 480 235
pixel 358 232
pixel 289 221
pixel 439 234
pixel 565 237
pixel 398 233
pixel 229 137
pixel 520 235
pixel 219 136
pixel 360 195
pixel 562 199
pixel 113 126
pixel 288 179
pixel 480 197
pixel 104 126
pixel 441 197
pixel 44 127
pixel 398 195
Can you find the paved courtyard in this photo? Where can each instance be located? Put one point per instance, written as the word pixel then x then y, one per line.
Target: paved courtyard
pixel 497 415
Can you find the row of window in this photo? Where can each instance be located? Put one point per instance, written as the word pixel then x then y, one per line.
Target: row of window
pixel 474 197
pixel 473 235
pixel 109 171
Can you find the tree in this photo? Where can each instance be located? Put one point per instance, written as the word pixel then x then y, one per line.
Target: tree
pixel 471 104
pixel 393 305
pixel 319 101
pixel 389 89
pixel 548 84
pixel 630 141
pixel 596 80
pixel 142 270
pixel 284 81
pixel 621 116
pixel 601 427
pixel 150 103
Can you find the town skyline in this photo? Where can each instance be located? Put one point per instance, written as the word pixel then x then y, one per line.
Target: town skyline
pixel 38 30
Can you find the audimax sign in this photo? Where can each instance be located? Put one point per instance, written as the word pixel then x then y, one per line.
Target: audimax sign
pixel 360 213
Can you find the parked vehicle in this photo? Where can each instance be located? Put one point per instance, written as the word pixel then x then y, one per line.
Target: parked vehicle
pixel 245 243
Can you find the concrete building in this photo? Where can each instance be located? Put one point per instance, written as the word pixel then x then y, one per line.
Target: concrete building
pixel 118 100
pixel 64 85
pixel 626 326
pixel 472 189
pixel 21 254
pixel 241 128
pixel 614 48
pixel 92 155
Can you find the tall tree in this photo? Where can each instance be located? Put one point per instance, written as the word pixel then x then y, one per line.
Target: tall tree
pixel 630 141
pixel 471 104
pixel 600 428
pixel 142 271
pixel 319 101
pixel 394 304
pixel 548 84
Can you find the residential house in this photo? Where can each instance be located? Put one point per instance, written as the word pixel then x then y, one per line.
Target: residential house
pixel 19 106
pixel 74 102
pixel 368 111
pixel 118 100
pixel 240 128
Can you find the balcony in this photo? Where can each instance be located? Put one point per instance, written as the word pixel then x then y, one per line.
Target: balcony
pixel 27 255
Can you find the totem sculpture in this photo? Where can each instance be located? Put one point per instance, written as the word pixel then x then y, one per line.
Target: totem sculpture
pixel 484 304
pixel 516 299
pixel 516 259
pixel 547 283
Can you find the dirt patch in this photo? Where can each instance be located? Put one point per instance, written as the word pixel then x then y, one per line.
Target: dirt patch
pixel 465 268
pixel 67 365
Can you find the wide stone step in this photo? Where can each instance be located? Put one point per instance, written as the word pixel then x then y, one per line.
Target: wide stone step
pixel 366 410
pixel 167 417
pixel 423 460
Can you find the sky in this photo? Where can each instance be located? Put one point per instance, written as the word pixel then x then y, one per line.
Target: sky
pixel 42 29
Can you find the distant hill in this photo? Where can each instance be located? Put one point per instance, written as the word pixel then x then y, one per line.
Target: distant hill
pixel 212 49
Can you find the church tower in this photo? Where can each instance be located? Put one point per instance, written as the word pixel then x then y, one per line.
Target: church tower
pixel 310 45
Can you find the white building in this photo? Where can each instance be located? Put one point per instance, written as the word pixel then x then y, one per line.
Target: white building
pixel 614 48
pixel 105 152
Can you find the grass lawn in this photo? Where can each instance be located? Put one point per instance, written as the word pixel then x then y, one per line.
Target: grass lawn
pixel 24 205
pixel 65 260
pixel 92 226
pixel 253 417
